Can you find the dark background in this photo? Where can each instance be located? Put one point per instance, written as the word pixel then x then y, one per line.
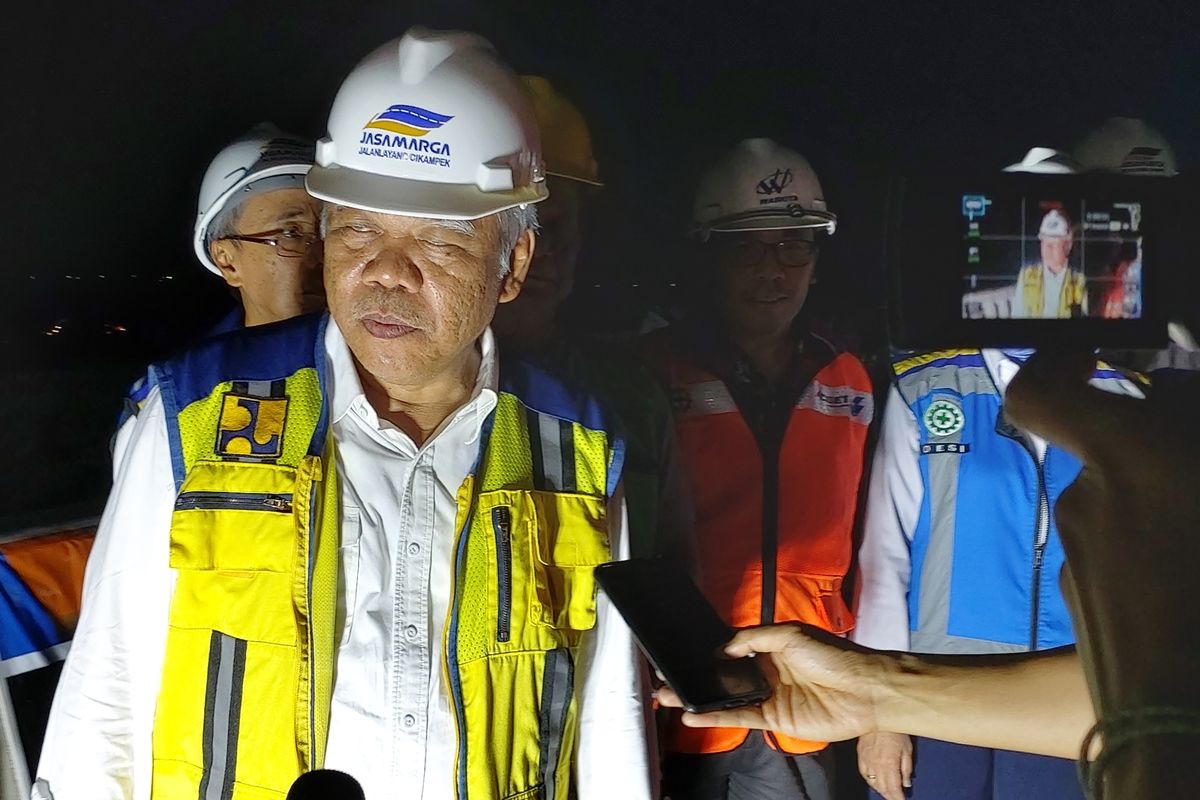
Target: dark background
pixel 114 109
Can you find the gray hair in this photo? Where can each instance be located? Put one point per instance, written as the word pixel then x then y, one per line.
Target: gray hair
pixel 511 225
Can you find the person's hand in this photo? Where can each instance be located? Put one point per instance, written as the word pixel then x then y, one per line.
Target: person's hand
pixel 886 762
pixel 1130 526
pixel 820 692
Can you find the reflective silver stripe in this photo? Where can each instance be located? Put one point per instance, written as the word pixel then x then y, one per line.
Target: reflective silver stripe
pixel 265 388
pixel 933 607
pixel 963 380
pixel 552 454
pixel 558 678
pixel 701 399
pixel 838 401
pixel 933 602
pixel 222 714
pixel 945 644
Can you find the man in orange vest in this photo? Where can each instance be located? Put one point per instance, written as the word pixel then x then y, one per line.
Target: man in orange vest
pixel 772 424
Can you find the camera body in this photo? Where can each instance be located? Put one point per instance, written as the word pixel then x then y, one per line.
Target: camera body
pixel 1032 260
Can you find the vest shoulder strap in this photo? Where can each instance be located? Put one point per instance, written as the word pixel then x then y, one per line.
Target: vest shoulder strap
pixel 254 394
pixel 962 371
pixel 575 443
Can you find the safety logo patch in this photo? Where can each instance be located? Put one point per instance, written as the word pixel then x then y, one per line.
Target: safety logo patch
pixel 251 428
pixel 944 418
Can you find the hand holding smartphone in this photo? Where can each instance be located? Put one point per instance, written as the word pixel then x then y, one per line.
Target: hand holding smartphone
pixel 681 634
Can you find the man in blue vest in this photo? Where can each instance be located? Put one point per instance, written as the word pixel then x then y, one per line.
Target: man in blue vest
pixel 364 541
pixel 961 555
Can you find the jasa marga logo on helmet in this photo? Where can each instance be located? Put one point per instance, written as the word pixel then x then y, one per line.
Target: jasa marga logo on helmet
pixel 398 132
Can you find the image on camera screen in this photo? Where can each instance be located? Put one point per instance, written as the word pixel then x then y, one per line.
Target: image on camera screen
pixel 1051 258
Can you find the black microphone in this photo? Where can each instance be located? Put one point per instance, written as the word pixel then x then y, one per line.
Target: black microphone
pixel 325 784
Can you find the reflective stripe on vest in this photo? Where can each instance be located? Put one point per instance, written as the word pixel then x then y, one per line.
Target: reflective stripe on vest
pixel 820 466
pixel 977 583
pixel 248 677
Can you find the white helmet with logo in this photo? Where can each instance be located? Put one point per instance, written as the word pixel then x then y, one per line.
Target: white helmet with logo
pixel 431 125
pixel 760 185
pixel 1128 146
pixel 240 169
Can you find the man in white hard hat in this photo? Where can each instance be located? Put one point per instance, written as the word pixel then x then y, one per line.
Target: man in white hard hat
pixel 361 541
pixel 256 227
pixel 1051 288
pixel 772 423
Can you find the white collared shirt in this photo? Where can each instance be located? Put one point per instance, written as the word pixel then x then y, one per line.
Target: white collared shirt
pixel 391 725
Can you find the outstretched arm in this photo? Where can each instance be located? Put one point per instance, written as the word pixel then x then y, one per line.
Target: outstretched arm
pixel 1037 703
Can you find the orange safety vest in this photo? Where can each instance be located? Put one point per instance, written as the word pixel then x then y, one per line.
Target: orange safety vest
pixel 773 536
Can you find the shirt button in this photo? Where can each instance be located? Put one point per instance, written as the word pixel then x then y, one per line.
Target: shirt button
pixel 411 632
pixel 413 548
pixel 409 720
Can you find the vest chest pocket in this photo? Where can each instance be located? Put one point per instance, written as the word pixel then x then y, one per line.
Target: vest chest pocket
pixel 235 544
pixel 570 540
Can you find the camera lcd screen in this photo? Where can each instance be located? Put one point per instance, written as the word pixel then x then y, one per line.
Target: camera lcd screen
pixel 1020 260
pixel 1051 256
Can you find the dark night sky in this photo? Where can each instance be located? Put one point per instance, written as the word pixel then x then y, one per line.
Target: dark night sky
pixel 116 107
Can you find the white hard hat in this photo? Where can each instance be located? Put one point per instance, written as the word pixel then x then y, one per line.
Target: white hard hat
pixel 1045 161
pixel 760 185
pixel 1055 225
pixel 1128 146
pixel 263 152
pixel 431 125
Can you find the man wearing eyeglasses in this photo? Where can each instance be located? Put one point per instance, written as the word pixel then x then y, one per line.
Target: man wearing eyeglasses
pixel 772 423
pixel 257 227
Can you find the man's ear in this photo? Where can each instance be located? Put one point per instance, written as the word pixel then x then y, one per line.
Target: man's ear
pixel 518 266
pixel 222 252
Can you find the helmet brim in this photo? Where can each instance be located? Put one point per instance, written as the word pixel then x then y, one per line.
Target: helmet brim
pixel 413 198
pixel 766 220
pixel 205 219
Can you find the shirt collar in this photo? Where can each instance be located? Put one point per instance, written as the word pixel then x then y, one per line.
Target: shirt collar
pixel 345 387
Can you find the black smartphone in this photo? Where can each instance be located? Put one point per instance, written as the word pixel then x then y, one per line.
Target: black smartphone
pixel 1022 260
pixel 681 634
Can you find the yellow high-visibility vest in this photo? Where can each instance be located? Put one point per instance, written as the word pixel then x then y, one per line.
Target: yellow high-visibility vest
pixel 1072 296
pixel 244 703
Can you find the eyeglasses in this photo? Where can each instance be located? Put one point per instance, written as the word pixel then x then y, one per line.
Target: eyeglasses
pixel 744 251
pixel 291 242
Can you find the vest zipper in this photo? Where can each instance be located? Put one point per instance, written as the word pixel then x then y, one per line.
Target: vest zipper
pixel 770 534
pixel 1041 535
pixel 502 527
pixel 241 501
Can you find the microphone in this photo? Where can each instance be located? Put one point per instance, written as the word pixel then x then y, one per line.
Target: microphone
pixel 325 784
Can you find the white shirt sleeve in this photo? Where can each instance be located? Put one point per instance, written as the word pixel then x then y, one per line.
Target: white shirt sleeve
pixel 612 750
pixel 97 744
pixel 893 506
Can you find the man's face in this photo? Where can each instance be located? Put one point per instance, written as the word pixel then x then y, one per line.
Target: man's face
pixel 1055 252
pixel 412 295
pixel 757 294
pixel 274 286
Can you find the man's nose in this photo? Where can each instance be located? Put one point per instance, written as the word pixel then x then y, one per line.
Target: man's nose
pixel 391 268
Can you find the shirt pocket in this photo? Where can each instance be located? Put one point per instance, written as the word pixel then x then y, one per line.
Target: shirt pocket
pixel 348 560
